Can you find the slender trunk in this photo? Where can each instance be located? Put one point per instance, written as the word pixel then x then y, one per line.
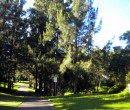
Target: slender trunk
pixel 45 83
pixel 9 82
pixel 75 86
pixel 5 80
pixel 40 83
pixel 36 72
pixel 74 62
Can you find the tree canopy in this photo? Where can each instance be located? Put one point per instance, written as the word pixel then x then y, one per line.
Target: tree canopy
pixel 55 38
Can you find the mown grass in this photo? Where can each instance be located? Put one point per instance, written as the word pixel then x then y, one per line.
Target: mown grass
pixel 9 102
pixel 16 85
pixel 91 102
pixel 31 90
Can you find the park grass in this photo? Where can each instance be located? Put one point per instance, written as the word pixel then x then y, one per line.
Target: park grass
pixel 31 90
pixel 9 102
pixel 91 102
pixel 16 85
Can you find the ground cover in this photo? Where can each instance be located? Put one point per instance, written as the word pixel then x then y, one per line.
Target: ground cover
pixel 9 102
pixel 90 102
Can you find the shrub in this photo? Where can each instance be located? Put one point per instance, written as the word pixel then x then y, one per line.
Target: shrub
pixel 103 89
pixel 116 88
pixel 127 78
pixel 124 92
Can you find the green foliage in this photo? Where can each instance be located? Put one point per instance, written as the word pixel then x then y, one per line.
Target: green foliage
pixel 124 93
pixel 103 89
pixel 67 63
pixel 68 93
pixel 126 36
pixel 116 88
pixel 55 38
pixel 127 78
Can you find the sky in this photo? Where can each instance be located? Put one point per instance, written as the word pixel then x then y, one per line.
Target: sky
pixel 116 20
pixel 115 15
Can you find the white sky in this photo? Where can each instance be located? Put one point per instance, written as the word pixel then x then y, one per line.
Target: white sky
pixel 116 20
pixel 28 4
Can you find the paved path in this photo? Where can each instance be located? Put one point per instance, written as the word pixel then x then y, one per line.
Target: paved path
pixel 34 102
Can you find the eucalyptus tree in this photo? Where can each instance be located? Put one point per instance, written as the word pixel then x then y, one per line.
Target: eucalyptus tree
pixel 42 47
pixel 126 36
pixel 37 24
pixel 47 39
pixel 119 64
pixel 77 33
pixel 70 25
pixel 10 30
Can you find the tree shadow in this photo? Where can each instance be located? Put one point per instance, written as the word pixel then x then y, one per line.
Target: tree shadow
pixel 8 97
pixel 18 93
pixel 6 108
pixel 90 102
pixel 7 101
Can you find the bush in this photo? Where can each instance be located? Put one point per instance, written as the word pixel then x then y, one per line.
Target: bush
pixel 124 92
pixel 127 78
pixel 103 89
pixel 116 88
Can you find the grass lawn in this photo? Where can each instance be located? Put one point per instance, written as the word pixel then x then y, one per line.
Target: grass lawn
pixel 89 102
pixel 17 85
pixel 9 102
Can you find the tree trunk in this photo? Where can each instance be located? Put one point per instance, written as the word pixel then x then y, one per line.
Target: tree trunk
pixel 45 83
pixel 36 72
pixel 75 87
pixel 9 81
pixel 40 83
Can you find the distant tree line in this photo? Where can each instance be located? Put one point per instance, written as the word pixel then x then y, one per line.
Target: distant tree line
pixel 55 38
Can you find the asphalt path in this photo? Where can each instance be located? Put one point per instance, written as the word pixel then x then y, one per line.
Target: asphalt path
pixel 33 102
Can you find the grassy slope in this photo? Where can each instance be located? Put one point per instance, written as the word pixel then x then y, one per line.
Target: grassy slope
pixel 86 102
pixel 9 102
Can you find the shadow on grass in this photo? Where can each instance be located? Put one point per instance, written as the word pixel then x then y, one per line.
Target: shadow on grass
pixel 89 102
pixel 18 93
pixel 9 102
pixel 6 108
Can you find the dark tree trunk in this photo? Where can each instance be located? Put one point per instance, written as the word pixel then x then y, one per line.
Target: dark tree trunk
pixel 45 83
pixel 40 83
pixel 75 87
pixel 36 70
pixel 9 82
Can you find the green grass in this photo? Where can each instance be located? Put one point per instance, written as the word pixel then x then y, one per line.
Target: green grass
pixel 17 85
pixel 31 90
pixel 91 102
pixel 9 102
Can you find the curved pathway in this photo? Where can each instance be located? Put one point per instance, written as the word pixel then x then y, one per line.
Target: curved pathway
pixel 33 102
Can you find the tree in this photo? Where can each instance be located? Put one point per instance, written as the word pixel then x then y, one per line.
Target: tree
pixel 10 19
pixel 126 36
pixel 78 32
pixel 70 24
